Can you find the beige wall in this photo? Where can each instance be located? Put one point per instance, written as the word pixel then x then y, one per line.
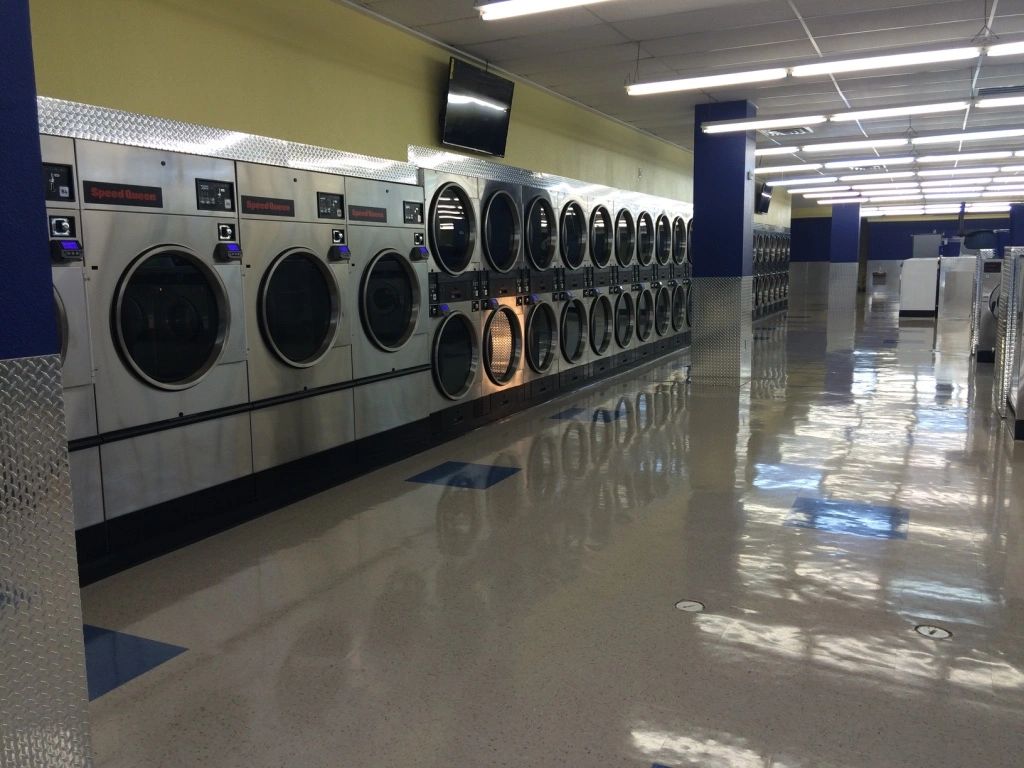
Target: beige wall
pixel 780 212
pixel 317 72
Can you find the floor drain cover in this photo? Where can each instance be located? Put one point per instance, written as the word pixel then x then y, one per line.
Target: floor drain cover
pixel 690 606
pixel 933 632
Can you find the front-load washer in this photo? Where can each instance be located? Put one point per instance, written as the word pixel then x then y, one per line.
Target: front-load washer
pixel 625 238
pixel 68 267
pixel 453 221
pixel 501 227
pixel 454 309
pixel 663 240
pixel 391 340
pixel 166 302
pixel 645 239
pixel 297 311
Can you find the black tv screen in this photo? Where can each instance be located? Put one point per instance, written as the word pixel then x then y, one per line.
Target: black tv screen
pixel 476 110
pixel 762 197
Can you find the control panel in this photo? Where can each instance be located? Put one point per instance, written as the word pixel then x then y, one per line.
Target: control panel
pixel 330 206
pixel 412 212
pixel 215 195
pixel 62 251
pixel 444 290
pixel 59 182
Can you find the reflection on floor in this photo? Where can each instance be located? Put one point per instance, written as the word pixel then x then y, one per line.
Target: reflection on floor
pixel 532 623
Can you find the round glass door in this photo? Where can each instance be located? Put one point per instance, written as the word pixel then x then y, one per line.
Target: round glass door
pixel 644 315
pixel 170 318
pixel 452 228
pixel 503 345
pixel 573 330
pixel 663 240
pixel 502 231
pixel 625 238
pixel 601 236
pixel 574 235
pixel 625 318
pixel 456 356
pixel 644 239
pixel 679 240
pixel 541 337
pixel 662 311
pixel 540 233
pixel 299 308
pixel 600 324
pixel 61 317
pixel 389 300
pixel 679 307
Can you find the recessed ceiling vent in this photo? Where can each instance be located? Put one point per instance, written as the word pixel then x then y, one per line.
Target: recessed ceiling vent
pixel 787 131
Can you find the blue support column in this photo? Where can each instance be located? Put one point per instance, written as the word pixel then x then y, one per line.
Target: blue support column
pixel 844 254
pixel 844 240
pixel 723 211
pixel 43 708
pixel 1017 224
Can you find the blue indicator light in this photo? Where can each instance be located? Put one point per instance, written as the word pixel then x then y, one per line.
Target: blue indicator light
pixel 70 245
pixel 233 247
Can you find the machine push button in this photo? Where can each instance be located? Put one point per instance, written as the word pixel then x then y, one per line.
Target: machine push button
pixel 419 253
pixel 65 250
pixel 227 252
pixel 339 253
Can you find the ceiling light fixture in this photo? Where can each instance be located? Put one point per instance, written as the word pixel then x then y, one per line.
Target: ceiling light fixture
pixel 729 126
pixel 1012 169
pixel 1000 101
pixel 507 9
pixel 911 109
pixel 820 195
pixel 769 151
pixel 964 156
pixel 1011 179
pixel 893 185
pixel 1006 49
pixel 954 138
pixel 958 171
pixel 708 81
pixel 831 189
pixel 885 62
pixel 802 181
pixel 893 198
pixel 868 162
pixel 952 195
pixel 788 168
pixel 871 176
pixel 1005 193
pixel 955 182
pixel 839 146
pixel 837 201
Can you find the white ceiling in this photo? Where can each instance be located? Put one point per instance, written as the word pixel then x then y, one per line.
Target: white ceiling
pixel 590 53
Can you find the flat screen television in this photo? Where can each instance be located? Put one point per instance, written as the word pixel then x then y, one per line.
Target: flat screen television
pixel 762 196
pixel 476 110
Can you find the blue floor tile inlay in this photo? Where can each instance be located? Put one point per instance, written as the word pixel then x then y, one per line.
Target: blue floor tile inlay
pixel 463 475
pixel 113 658
pixel 851 517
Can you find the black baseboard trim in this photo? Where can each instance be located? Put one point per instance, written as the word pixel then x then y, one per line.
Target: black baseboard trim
pixel 917 313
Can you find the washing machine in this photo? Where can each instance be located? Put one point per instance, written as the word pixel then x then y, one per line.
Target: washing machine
pixel 166 301
pixel 391 340
pixel 297 312
pixel 453 221
pixel 70 306
pixel 454 310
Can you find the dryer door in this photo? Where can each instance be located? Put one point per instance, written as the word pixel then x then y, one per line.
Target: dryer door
pixel 452 228
pixel 503 231
pixel 600 324
pixel 574 235
pixel 573 331
pixel 170 317
pixel 601 236
pixel 663 240
pixel 644 315
pixel 644 239
pixel 540 233
pixel 679 300
pixel 299 308
pixel 455 356
pixel 679 240
pixel 61 316
pixel 625 238
pixel 625 319
pixel 541 337
pixel 503 345
pixel 662 311
pixel 389 300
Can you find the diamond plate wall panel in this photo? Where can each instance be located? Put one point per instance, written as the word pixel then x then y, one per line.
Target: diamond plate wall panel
pixel 722 329
pixel 85 121
pixel 1006 335
pixel 43 715
pixel 841 318
pixel 808 284
pixel 452 162
pixel 977 300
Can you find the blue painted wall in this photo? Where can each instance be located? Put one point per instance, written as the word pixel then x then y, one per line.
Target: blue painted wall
pixel 810 239
pixel 27 324
pixel 723 196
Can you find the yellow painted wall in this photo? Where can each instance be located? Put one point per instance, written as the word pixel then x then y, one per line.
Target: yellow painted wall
pixel 316 72
pixel 780 212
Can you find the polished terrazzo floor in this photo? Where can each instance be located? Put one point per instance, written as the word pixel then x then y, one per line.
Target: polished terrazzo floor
pixel 859 486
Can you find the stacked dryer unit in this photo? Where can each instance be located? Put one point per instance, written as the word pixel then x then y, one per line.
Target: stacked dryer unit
pixel 298 311
pixel 542 303
pixel 64 221
pixel 573 318
pixel 166 303
pixel 389 291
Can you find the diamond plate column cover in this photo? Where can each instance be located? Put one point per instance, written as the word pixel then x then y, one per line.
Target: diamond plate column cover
pixel 841 320
pixel 43 710
pixel 722 329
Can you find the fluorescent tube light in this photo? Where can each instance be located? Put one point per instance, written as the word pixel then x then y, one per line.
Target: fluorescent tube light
pixel 912 109
pixel 1006 49
pixel 963 156
pixel 893 198
pixel 956 182
pixel 839 146
pixel 885 62
pixel 1016 192
pixel 871 176
pixel 952 195
pixel 507 9
pixel 708 81
pixel 836 193
pixel 870 161
pixel 1001 101
pixel 788 168
pixel 730 126
pixel 954 138
pixel 1008 179
pixel 1012 169
pixel 893 185
pixel 802 181
pixel 958 171
pixel 829 189
pixel 769 151
pixel 838 201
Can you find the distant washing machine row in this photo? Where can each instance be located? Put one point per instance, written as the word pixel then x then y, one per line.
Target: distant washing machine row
pixel 234 333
